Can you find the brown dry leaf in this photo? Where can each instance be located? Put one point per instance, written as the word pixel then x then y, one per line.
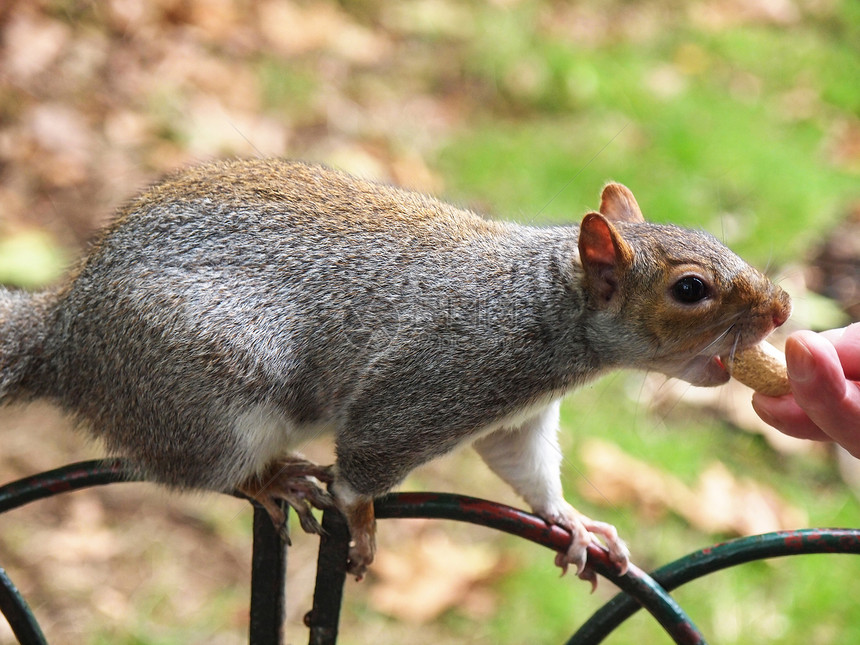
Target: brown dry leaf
pixel 217 19
pixel 295 30
pixel 618 479
pixel 844 143
pixel 739 505
pixel 65 139
pixel 431 574
pixel 719 502
pixel 33 43
pixel 722 14
pixel 248 133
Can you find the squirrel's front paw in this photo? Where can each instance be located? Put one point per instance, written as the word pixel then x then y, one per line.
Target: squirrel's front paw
pixel 584 531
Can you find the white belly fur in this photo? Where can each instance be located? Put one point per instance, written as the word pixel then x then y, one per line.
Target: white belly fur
pixel 265 433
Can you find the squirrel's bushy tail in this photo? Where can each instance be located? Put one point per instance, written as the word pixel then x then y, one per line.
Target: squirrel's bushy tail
pixel 23 326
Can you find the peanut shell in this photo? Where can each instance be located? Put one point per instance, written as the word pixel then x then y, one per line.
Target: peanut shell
pixel 761 367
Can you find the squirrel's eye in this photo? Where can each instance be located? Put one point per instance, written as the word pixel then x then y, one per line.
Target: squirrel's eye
pixel 690 289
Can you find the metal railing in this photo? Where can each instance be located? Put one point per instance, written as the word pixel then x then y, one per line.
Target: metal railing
pixel 269 559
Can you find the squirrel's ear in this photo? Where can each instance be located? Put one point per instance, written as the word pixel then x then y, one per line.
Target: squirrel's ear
pixel 618 204
pixel 604 255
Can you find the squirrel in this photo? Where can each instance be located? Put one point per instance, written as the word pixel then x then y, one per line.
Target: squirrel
pixel 239 308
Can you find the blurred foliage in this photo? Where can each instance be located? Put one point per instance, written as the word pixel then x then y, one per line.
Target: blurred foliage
pixel 732 130
pixel 741 117
pixel 30 259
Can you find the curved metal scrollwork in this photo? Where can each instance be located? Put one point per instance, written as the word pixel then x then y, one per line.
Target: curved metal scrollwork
pixel 269 560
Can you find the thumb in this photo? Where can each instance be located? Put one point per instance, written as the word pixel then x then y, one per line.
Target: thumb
pixel 814 369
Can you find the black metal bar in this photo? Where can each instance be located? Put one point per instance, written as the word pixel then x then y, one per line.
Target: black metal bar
pixel 60 480
pixel 268 581
pixel 18 613
pixel 716 558
pixel 268 589
pixel 648 593
pixel 324 617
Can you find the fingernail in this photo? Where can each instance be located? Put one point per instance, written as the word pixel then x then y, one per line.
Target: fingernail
pixel 800 362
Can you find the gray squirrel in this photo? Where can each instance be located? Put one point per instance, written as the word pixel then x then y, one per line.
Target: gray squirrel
pixel 237 309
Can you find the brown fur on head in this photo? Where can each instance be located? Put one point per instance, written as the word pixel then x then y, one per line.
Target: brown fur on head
pixel 677 291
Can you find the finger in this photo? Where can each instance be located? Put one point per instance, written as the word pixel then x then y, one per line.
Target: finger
pixel 820 388
pixel 833 335
pixel 847 344
pixel 785 415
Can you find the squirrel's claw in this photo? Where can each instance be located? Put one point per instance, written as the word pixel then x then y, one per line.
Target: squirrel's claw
pixel 295 481
pixel 584 531
pixel 589 575
pixel 577 552
pixel 583 571
pixel 618 551
pixel 361 554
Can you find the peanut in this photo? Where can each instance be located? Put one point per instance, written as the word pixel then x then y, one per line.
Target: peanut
pixel 761 367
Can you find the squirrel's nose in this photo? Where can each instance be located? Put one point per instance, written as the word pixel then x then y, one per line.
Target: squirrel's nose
pixel 783 309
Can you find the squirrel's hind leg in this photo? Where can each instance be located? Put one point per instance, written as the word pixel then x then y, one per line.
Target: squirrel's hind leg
pixel 295 481
pixel 361 521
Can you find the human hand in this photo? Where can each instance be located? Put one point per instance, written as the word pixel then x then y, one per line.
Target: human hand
pixel 823 370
